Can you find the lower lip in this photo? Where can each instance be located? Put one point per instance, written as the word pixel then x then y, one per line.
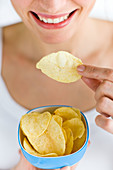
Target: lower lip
pixel 53 26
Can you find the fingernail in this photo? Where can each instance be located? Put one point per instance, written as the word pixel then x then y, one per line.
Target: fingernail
pixel 81 68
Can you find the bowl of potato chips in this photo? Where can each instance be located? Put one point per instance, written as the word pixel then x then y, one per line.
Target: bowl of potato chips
pixel 52 137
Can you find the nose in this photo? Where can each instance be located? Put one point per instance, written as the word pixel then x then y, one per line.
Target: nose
pixel 52 6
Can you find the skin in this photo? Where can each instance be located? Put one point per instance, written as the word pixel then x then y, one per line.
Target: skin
pixel 75 38
pixel 27 166
pixel 53 7
pixel 100 80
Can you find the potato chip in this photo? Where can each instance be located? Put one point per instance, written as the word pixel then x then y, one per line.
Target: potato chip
pixel 66 113
pixel 35 125
pixel 69 143
pixel 58 133
pixel 65 135
pixel 58 119
pixel 52 141
pixel 50 155
pixel 77 127
pixel 77 111
pixel 79 142
pixel 34 113
pixel 31 150
pixel 60 66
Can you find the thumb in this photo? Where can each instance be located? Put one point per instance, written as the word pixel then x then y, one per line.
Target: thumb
pixel 66 168
pixel 91 83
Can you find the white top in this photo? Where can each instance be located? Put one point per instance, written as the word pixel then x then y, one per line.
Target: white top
pixel 99 156
pixel 10 114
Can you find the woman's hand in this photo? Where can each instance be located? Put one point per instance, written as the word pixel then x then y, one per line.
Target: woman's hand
pixel 101 81
pixel 25 165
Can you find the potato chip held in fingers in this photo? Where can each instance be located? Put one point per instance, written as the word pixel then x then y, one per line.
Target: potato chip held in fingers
pixel 60 66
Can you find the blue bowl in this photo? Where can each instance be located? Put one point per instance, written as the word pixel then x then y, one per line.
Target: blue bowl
pixel 54 162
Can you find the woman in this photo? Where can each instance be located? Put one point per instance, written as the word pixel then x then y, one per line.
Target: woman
pixel 50 26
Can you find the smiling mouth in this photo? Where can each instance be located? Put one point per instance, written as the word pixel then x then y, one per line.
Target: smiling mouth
pixel 53 20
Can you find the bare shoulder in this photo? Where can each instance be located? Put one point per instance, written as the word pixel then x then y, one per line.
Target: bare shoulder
pixel 108 29
pixel 104 34
pixel 10 43
pixel 104 26
pixel 11 39
pixel 11 32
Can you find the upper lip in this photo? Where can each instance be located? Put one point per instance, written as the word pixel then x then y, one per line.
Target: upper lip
pixel 53 16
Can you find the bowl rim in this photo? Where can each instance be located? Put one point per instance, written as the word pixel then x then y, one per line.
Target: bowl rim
pixel 87 134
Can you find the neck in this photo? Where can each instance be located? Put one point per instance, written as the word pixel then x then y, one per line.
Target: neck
pixel 83 43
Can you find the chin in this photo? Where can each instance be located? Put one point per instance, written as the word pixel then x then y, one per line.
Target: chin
pixel 55 37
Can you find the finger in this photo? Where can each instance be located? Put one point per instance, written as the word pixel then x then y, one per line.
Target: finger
pixel 21 154
pixel 105 105
pixel 105 89
pixel 91 83
pixel 66 168
pixel 73 167
pixel 103 122
pixel 47 169
pixel 89 142
pixel 95 72
pixel 104 114
pixel 19 151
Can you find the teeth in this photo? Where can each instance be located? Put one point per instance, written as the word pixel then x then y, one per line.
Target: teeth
pixel 40 18
pixel 50 21
pixel 53 21
pixel 56 20
pixel 44 20
pixel 65 17
pixel 61 19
